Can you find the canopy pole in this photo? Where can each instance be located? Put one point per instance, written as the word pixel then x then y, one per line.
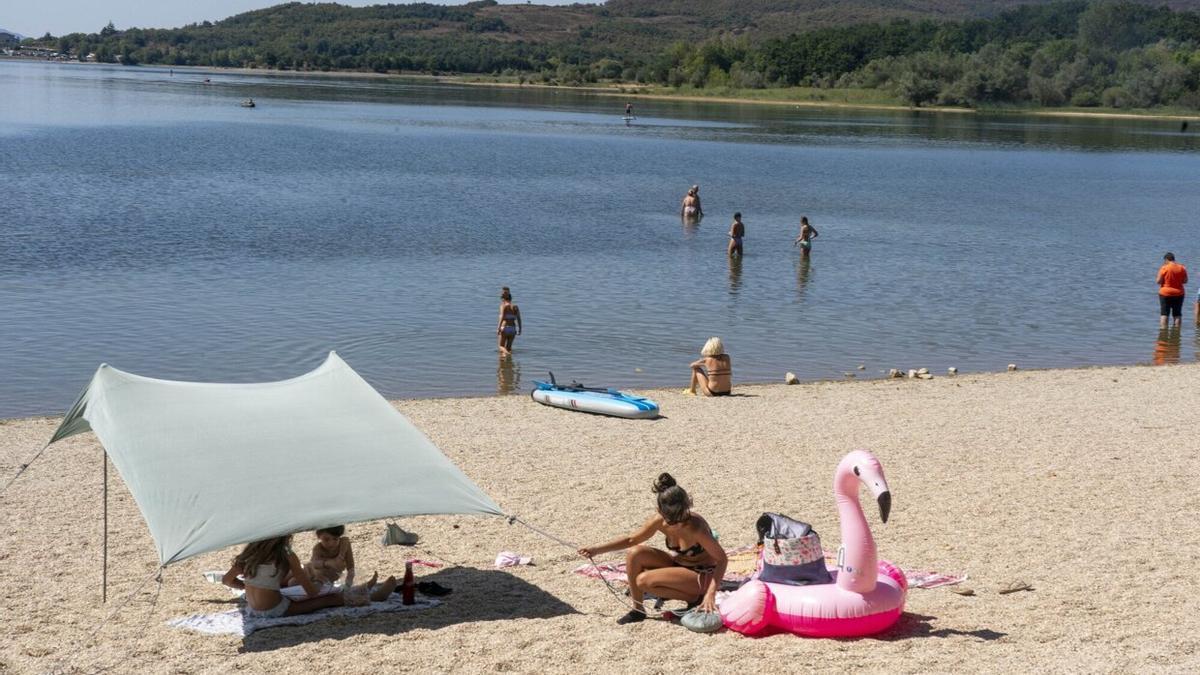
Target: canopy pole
pixel 104 565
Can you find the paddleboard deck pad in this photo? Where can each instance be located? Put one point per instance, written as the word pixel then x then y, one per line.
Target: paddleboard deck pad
pixel 594 400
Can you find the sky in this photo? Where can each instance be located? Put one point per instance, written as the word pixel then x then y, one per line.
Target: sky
pixel 59 17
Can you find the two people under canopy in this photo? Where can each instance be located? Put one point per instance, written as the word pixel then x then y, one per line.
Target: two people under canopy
pixel 264 567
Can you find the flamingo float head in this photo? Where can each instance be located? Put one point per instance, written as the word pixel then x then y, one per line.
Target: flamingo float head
pixel 862 467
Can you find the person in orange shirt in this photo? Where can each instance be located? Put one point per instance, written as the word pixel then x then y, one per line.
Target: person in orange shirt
pixel 1171 278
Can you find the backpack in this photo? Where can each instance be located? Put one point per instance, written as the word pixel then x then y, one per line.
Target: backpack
pixel 789 552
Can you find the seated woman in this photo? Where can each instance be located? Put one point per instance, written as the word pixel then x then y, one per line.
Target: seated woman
pixel 713 372
pixel 331 556
pixel 692 572
pixel 265 565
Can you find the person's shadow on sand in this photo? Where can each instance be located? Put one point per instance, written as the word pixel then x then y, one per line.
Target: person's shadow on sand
pixel 918 626
pixel 479 595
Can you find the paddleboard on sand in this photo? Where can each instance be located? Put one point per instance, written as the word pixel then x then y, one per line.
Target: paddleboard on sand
pixel 594 400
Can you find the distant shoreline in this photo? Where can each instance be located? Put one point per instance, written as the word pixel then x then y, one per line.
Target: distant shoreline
pixel 621 91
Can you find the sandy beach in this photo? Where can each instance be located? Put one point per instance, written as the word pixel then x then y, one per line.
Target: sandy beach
pixel 1082 483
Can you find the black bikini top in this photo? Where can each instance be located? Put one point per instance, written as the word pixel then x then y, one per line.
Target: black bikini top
pixel 695 550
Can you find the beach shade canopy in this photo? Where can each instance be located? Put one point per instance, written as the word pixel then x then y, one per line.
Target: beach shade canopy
pixel 214 465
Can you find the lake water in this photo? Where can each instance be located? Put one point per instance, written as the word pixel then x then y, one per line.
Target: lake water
pixel 148 221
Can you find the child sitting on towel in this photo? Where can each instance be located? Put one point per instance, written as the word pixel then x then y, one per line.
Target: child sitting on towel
pixel 331 556
pixel 264 566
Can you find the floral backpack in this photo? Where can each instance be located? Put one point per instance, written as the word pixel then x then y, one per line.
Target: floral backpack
pixel 789 552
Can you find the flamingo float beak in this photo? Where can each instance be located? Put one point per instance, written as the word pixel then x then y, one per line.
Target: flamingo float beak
pixel 885 504
pixel 871 476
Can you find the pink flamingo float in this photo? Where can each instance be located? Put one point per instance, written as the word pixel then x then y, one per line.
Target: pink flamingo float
pixel 866 596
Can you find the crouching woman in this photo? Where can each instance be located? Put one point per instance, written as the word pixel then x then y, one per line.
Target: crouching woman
pixel 693 569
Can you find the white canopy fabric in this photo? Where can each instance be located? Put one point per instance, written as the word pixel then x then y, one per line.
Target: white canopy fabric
pixel 213 465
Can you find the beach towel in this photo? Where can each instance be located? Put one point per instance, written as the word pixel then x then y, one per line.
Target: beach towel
pixel 235 622
pixel 920 579
pixel 512 559
pixel 741 566
pixel 737 572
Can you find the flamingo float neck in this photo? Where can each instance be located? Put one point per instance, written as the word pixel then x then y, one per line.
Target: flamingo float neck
pixel 857 559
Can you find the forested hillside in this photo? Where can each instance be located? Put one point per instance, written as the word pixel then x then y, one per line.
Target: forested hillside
pixel 960 52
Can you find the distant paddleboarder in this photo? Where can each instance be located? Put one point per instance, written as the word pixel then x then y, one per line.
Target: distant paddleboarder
pixel 629 110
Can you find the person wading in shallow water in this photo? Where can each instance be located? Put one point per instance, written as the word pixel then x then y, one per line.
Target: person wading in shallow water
pixel 737 232
pixel 690 209
pixel 1171 278
pixel 807 234
pixel 509 324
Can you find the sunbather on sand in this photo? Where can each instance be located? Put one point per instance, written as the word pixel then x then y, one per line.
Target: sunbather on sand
pixel 694 569
pixel 712 374
pixel 265 565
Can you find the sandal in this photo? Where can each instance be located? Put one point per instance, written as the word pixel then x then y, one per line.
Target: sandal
pixel 434 589
pixel 1015 586
pixel 634 616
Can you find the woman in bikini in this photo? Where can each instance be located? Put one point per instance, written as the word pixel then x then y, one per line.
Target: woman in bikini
pixel 509 324
pixel 690 209
pixel 693 570
pixel 807 234
pixel 712 374
pixel 265 565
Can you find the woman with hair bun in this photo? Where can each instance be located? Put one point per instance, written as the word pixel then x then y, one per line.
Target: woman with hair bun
pixel 691 572
pixel 508 326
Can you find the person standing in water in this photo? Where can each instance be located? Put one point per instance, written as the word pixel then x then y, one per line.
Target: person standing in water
pixel 1171 278
pixel 737 232
pixel 690 209
pixel 807 234
pixel 509 324
pixel 629 110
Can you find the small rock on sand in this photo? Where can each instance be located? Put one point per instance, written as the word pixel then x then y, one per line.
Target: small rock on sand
pixel 952 370
pixel 895 372
pixel 911 373
pixel 922 371
pixel 1012 367
pixel 924 376
pixel 791 378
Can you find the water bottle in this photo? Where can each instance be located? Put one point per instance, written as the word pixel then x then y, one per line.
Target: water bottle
pixel 409 589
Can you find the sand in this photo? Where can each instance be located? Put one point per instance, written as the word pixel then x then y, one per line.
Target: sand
pixel 1081 482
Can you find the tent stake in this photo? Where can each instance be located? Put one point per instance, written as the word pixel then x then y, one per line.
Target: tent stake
pixel 104 566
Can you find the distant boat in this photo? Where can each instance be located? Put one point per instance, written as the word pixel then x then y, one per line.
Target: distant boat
pixel 248 103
